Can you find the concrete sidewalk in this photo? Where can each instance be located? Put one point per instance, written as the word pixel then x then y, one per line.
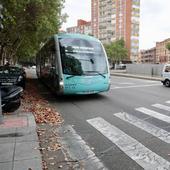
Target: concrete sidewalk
pixel 123 73
pixel 19 146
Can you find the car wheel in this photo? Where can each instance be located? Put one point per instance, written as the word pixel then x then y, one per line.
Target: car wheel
pixel 167 83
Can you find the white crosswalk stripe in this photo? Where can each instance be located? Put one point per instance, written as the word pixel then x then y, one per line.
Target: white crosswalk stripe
pixel 163 107
pixel 168 101
pixel 149 128
pixel 130 146
pixel 154 114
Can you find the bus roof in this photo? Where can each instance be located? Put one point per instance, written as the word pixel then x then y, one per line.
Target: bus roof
pixel 70 35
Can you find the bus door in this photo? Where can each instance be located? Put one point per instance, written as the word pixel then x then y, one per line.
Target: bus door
pixel 54 73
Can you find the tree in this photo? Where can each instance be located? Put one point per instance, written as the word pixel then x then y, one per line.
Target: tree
pixel 168 46
pixel 26 24
pixel 116 51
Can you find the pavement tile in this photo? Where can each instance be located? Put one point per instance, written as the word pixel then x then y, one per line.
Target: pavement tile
pixel 6 166
pixel 6 152
pixel 30 118
pixel 26 130
pixel 14 122
pixel 27 135
pixel 33 164
pixel 4 131
pixel 5 140
pixel 27 150
pixel 19 143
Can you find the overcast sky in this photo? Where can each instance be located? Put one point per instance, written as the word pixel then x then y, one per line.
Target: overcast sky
pixel 154 19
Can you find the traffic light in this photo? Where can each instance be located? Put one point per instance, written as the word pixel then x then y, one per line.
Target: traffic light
pixel 1 17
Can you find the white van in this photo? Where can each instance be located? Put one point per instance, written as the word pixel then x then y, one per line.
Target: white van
pixel 166 75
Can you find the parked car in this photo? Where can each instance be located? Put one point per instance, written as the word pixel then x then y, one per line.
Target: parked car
pixel 10 98
pixel 118 66
pixel 166 75
pixel 11 75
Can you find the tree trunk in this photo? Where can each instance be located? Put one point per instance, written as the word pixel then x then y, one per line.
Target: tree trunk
pixel 1 53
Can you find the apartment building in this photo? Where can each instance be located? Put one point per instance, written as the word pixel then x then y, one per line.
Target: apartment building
pixel 95 17
pixel 162 53
pixel 148 56
pixel 83 27
pixel 116 19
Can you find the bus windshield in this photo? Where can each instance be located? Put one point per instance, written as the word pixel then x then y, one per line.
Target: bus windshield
pixel 82 57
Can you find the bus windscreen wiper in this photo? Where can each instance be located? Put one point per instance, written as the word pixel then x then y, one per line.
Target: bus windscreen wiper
pixel 90 60
pixel 97 73
pixel 73 76
pixel 70 76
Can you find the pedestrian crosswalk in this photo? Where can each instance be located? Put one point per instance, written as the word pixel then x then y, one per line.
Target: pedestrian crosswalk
pixel 131 146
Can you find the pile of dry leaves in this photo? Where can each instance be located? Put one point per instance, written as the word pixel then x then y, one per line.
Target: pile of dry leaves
pixel 33 102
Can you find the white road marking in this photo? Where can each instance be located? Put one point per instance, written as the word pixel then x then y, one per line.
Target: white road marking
pixel 126 87
pixel 132 79
pixel 130 146
pixel 78 150
pixel 114 87
pixel 149 128
pixel 126 83
pixel 154 114
pixel 163 107
pixel 168 101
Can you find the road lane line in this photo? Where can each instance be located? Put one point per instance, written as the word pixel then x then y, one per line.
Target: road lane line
pixel 154 114
pixel 130 146
pixel 126 83
pixel 147 85
pixel 78 149
pixel 168 102
pixel 149 128
pixel 160 106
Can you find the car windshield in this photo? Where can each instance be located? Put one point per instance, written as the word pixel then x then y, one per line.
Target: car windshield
pixel 9 70
pixel 82 57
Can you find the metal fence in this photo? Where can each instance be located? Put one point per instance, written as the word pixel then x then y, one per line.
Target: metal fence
pixel 145 69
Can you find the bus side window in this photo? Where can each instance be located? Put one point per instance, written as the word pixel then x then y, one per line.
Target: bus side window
pixel 56 53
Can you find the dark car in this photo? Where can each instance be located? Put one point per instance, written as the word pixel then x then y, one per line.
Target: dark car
pixel 10 98
pixel 11 75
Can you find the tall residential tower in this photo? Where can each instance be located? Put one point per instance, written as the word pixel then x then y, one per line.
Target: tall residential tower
pixel 116 19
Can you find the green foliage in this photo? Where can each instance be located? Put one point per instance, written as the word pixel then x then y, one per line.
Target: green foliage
pixel 168 46
pixel 27 23
pixel 116 51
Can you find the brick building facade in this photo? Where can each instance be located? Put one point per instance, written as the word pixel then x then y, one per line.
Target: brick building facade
pixel 83 27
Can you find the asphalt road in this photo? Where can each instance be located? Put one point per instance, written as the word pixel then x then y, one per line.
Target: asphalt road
pixel 127 128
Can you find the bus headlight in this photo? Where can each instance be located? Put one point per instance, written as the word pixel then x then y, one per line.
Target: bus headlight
pixel 61 84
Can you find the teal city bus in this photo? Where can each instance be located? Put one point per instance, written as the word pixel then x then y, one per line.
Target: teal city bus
pixel 73 64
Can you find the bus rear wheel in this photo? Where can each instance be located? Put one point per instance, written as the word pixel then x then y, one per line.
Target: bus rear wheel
pixel 167 83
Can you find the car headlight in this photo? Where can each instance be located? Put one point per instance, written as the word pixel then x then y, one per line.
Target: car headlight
pixel 20 78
